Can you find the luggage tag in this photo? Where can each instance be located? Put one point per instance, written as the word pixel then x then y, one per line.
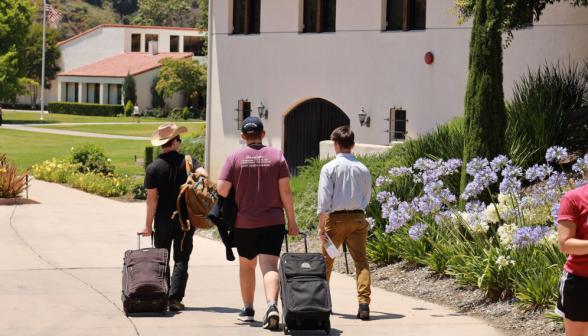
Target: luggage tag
pixel 331 248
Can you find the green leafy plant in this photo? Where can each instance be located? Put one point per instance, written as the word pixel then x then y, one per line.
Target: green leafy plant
pixel 57 171
pixel 381 248
pixel 185 113
pixel 147 156
pixel 129 89
pixel 193 146
pixel 138 190
pixel 91 158
pixel 12 178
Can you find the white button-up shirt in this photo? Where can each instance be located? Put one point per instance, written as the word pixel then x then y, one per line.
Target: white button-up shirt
pixel 345 184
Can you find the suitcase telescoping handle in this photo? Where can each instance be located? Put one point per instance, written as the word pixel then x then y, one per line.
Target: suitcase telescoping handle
pixel 139 240
pixel 302 232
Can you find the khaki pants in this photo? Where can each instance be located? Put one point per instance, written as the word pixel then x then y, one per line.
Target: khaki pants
pixel 351 229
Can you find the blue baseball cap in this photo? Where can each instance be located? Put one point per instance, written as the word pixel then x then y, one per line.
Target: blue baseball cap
pixel 253 124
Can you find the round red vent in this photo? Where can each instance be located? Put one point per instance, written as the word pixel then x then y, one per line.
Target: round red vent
pixel 429 58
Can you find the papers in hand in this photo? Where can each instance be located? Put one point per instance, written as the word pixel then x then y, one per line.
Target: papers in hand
pixel 331 248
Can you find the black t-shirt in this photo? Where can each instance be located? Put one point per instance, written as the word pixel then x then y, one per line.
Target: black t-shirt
pixel 167 174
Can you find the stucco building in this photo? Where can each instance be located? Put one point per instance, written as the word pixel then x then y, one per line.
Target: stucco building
pixel 315 64
pixel 94 63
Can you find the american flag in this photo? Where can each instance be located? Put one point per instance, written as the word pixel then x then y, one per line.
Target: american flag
pixel 53 14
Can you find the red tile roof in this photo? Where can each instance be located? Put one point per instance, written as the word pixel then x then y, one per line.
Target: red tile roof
pixel 125 26
pixel 120 65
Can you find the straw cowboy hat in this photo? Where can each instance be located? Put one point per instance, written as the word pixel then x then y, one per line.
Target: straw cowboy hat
pixel 165 133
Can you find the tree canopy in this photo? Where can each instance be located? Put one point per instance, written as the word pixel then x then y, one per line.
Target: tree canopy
pixel 185 76
pixel 16 17
pixel 517 14
pixel 160 12
pixel 33 48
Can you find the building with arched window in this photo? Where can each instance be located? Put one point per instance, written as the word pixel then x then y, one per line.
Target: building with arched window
pixel 315 64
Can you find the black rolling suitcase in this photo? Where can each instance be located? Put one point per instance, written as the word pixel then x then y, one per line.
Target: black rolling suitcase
pixel 145 282
pixel 304 291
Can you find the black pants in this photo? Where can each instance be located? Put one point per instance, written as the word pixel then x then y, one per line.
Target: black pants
pixel 0 120
pixel 168 231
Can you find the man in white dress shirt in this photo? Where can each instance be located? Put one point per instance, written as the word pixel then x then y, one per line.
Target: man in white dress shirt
pixel 345 189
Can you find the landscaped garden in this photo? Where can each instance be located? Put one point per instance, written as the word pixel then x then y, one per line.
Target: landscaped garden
pixel 498 231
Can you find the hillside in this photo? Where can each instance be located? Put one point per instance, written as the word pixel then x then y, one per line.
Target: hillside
pixel 78 16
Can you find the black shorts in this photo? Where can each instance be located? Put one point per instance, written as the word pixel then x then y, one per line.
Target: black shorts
pixel 265 240
pixel 572 297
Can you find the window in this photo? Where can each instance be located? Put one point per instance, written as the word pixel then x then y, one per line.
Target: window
pixel 72 92
pixel 246 16
pixel 406 15
pixel 148 38
pixel 319 16
pixel 114 93
pixel 136 42
pixel 194 44
pixel 243 112
pixel 93 93
pixel 398 122
pixel 174 44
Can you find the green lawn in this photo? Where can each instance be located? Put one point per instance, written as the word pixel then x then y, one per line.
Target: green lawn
pixel 11 117
pixel 29 148
pixel 144 130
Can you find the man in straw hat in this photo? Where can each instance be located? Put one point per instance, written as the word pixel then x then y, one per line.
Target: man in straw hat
pixel 163 179
pixel 261 180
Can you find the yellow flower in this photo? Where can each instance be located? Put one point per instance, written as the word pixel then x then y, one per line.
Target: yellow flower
pixel 3 170
pixel 48 169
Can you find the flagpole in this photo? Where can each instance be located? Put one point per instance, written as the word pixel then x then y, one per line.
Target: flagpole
pixel 43 65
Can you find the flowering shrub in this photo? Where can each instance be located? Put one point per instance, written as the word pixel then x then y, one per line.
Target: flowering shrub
pixel 12 179
pixel 61 171
pixel 92 158
pixel 496 247
pixel 138 190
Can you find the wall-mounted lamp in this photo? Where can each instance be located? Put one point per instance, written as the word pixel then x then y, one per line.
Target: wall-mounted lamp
pixel 364 120
pixel 261 111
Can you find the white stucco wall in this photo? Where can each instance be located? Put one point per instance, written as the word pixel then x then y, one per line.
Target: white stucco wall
pixel 144 82
pixel 360 66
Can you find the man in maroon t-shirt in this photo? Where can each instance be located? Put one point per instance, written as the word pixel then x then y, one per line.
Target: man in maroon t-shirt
pixel 261 180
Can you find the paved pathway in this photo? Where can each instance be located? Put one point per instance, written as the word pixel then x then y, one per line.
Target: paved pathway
pixel 61 275
pixel 73 133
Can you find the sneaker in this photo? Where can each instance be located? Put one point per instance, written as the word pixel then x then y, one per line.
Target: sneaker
pixel 175 305
pixel 271 320
pixel 364 311
pixel 246 315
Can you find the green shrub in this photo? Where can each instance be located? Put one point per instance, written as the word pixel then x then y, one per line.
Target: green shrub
pixel 193 147
pixel 544 102
pixel 105 110
pixel 138 190
pixel 194 113
pixel 381 248
pixel 147 156
pixel 129 109
pixel 185 113
pixel 159 113
pixel 91 158
pixel 156 152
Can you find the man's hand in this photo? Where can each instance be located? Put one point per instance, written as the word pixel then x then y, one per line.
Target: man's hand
pixel 147 230
pixel 293 229
pixel 322 234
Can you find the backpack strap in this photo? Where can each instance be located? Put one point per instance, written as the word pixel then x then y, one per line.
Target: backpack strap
pixel 185 225
pixel 189 165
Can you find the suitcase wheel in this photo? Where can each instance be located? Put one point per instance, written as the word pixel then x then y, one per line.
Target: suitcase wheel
pixel 328 327
pixel 285 330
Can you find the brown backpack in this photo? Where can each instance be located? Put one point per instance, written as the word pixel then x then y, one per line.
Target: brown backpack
pixel 200 195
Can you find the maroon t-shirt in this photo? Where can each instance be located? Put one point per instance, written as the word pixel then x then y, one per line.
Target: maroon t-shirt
pixel 254 172
pixel 574 208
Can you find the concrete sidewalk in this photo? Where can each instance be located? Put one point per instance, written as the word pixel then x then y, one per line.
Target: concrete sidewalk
pixel 61 275
pixel 73 133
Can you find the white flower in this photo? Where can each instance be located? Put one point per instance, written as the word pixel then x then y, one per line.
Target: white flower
pixel 490 213
pixel 109 160
pixel 371 222
pixel 506 232
pixel 503 262
pixel 550 239
pixel 72 148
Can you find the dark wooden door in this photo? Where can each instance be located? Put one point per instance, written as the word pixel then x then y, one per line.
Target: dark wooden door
pixel 306 126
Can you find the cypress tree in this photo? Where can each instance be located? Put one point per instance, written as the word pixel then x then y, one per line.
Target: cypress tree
pixel 484 108
pixel 129 89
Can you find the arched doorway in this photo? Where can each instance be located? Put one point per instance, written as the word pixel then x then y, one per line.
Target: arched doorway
pixel 306 126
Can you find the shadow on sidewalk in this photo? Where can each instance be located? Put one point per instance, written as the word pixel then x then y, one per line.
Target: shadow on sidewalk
pixel 374 316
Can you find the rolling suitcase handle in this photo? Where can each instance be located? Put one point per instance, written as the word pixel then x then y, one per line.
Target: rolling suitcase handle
pixel 139 240
pixel 302 232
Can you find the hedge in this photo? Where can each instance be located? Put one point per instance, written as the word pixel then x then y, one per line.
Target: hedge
pixel 148 156
pixel 85 109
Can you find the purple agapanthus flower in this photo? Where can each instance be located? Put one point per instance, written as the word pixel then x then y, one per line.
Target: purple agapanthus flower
pixel 417 231
pixel 512 171
pixel 371 222
pixel 581 183
pixel 556 153
pixel 499 163
pixel 538 172
pixel 398 218
pixel 557 180
pixel 442 216
pixel 401 171
pixel 476 165
pixel 472 190
pixel 451 165
pixel 383 196
pixel 475 206
pixel 555 213
pixel 581 166
pixel 527 236
pixel 510 185
pixel 424 164
pixel 381 180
